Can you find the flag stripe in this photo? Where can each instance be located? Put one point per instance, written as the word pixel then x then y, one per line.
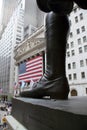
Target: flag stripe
pixel 31 75
pixel 34 60
pixel 27 75
pixel 27 79
pixel 34 64
pixel 31 72
pixel 34 69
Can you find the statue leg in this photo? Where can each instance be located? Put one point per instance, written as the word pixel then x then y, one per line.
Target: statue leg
pixel 54 82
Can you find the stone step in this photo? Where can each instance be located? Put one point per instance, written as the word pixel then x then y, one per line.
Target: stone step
pixel 46 114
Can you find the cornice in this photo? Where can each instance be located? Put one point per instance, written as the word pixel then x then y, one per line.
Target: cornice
pixel 30 46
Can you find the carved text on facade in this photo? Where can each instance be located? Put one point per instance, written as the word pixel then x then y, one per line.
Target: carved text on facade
pixel 28 45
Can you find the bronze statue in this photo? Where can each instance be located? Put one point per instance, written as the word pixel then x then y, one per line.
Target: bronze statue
pixel 54 82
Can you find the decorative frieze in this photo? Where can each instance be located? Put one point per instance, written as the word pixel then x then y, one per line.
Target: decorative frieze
pixel 28 46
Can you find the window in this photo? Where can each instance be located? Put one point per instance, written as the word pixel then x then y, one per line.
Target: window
pixel 26 28
pixel 84 39
pixel 67 46
pixel 70 22
pixel 69 66
pixel 74 76
pixel 21 5
pixel 72 44
pixel 80 49
pixel 74 65
pixel 83 28
pixel 19 27
pixel 73 92
pixel 70 77
pixel 19 31
pixel 85 48
pixel 81 16
pixel 86 61
pixel 79 41
pixel 18 36
pixel 78 31
pixel 71 34
pixel 82 75
pixel 18 39
pixel 75 10
pixel 68 54
pixel 73 52
pixel 76 19
pixel 86 90
pixel 81 63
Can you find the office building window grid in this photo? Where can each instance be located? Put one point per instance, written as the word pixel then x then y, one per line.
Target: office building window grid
pixel 77 46
pixel 9 38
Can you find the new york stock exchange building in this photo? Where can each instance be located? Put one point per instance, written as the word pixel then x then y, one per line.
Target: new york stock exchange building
pixel 30 59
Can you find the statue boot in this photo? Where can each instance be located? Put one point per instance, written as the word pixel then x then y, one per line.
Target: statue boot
pixel 54 82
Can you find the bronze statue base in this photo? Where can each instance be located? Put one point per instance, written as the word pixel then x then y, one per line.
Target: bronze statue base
pixel 38 114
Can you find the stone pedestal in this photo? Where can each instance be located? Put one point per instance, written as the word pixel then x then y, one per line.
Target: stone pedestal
pixel 46 114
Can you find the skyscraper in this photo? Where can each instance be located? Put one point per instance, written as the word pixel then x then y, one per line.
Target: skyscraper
pixel 33 17
pixel 8 6
pixel 25 14
pixel 12 35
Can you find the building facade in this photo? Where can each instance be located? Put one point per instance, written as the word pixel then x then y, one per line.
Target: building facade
pixel 76 56
pixel 30 59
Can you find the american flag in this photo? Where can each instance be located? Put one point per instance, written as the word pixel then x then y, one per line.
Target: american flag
pixel 31 69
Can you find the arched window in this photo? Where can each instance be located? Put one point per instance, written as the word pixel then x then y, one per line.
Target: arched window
pixel 73 92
